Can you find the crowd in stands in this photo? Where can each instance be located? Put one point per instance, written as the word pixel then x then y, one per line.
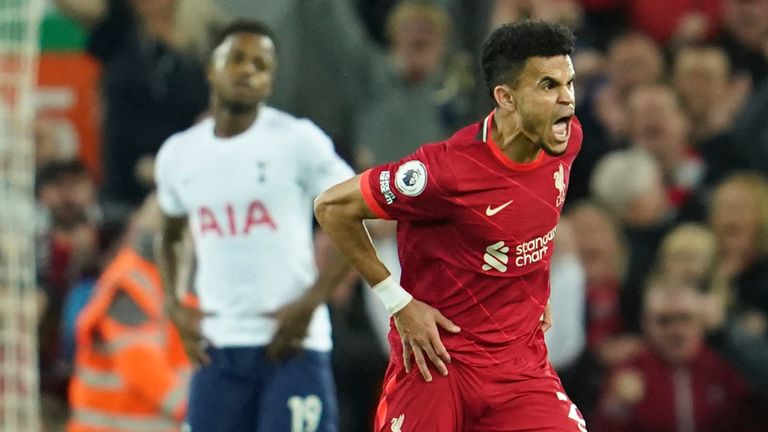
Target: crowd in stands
pixel 660 278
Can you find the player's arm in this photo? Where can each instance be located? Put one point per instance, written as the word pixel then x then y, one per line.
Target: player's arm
pixel 184 317
pixel 341 211
pixel 87 13
pixel 170 243
pixel 293 319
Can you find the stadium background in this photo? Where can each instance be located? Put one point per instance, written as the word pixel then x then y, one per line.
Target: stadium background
pixel 674 103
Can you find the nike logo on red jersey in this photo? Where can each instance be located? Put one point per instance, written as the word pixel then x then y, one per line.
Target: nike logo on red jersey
pixel 490 211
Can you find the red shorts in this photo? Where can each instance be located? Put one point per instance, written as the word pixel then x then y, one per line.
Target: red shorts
pixel 476 399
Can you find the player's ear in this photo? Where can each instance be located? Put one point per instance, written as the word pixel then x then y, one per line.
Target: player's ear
pixel 503 95
pixel 217 58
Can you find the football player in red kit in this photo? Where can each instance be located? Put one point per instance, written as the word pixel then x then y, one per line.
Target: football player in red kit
pixel 476 216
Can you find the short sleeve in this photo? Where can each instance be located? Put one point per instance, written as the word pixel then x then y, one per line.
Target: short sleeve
pixel 415 188
pixel 167 190
pixel 321 166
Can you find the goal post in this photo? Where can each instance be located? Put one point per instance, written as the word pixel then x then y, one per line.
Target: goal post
pixel 19 50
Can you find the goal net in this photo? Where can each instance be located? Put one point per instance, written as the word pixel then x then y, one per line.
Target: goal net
pixel 19 48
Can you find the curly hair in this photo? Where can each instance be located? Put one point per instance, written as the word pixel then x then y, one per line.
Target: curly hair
pixel 506 50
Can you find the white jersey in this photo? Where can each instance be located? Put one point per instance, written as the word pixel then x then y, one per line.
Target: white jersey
pixel 249 202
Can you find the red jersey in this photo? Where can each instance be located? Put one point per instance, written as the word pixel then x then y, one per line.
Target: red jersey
pixel 707 395
pixel 475 238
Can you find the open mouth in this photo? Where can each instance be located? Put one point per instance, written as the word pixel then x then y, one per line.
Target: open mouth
pixel 561 129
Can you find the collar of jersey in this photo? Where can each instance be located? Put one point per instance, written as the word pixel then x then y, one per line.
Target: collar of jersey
pixel 504 159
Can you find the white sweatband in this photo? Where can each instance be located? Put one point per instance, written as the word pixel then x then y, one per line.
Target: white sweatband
pixel 392 295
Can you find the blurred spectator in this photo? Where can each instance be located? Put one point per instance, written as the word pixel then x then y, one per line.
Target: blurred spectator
pixel 566 12
pixel 678 22
pixel 374 14
pixel 153 80
pixel 737 339
pixel 599 241
pixel 68 195
pixel 712 96
pixel 132 373
pixel 687 255
pixel 660 126
pixel 417 72
pixel 55 140
pixel 745 39
pixel 630 184
pixel 710 93
pixel 738 215
pixel 633 59
pixel 678 383
pixel 749 137
pixel 603 253
pixel 68 254
pixel 567 337
pixel 744 33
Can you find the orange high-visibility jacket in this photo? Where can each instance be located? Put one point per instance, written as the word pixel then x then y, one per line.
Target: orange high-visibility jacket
pixel 129 376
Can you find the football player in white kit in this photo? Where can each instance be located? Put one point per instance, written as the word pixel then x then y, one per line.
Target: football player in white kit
pixel 244 180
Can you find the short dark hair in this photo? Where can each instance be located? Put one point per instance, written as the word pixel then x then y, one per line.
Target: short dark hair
pixel 54 171
pixel 506 50
pixel 243 26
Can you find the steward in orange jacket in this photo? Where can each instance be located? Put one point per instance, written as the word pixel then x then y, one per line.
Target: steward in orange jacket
pixel 131 372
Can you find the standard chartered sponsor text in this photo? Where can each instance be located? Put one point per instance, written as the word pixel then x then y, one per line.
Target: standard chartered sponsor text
pixel 533 250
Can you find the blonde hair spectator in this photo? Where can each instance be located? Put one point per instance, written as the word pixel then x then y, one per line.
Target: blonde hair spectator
pixel 688 253
pixel 742 199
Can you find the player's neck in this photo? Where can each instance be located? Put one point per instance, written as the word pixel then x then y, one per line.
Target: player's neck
pixel 511 139
pixel 228 123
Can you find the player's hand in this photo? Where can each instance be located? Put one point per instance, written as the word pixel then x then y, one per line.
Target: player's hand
pixel 546 318
pixel 292 323
pixel 417 324
pixel 187 321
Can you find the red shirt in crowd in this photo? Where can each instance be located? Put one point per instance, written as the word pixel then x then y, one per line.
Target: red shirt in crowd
pixel 648 395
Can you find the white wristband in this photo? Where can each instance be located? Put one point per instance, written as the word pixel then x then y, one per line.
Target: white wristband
pixel 392 295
